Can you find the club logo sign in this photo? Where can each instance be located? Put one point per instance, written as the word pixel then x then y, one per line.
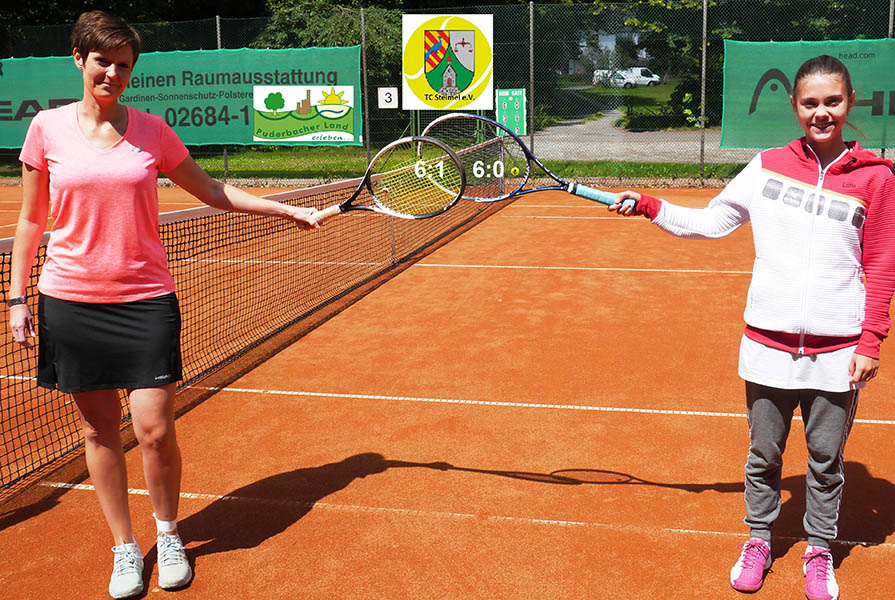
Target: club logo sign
pixel 320 114
pixel 448 62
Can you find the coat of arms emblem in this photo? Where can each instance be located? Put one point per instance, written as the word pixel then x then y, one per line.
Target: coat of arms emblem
pixel 450 60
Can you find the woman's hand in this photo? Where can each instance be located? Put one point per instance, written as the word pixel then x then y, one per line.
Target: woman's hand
pixel 862 368
pixel 22 325
pixel 303 217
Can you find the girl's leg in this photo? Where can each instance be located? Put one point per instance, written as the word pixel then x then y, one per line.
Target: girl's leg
pixel 153 418
pixel 828 418
pixel 770 415
pixel 100 413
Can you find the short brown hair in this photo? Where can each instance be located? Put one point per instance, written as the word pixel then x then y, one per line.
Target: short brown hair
pixel 97 30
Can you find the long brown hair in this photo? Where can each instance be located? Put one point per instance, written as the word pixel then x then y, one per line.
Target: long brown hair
pixel 97 30
pixel 823 65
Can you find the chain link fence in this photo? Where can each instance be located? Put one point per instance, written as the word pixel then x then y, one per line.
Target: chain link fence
pixel 609 82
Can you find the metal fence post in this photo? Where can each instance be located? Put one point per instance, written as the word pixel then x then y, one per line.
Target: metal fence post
pixel 531 72
pixel 702 101
pixel 217 30
pixel 366 91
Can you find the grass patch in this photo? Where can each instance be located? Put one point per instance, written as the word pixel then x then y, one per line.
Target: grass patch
pixel 656 95
pixel 573 169
pixel 296 162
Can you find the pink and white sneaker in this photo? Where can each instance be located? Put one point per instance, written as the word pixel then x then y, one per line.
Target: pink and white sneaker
pixel 747 575
pixel 820 580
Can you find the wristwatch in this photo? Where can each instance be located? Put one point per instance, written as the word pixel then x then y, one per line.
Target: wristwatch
pixel 16 301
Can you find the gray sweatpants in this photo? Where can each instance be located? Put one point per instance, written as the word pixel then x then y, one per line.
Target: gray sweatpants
pixel 828 419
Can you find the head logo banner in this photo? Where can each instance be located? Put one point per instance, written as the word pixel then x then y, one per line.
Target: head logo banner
pixel 759 79
pixel 448 62
pixel 303 114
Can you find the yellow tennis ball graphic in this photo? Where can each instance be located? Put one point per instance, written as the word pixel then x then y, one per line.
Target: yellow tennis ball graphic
pixel 514 171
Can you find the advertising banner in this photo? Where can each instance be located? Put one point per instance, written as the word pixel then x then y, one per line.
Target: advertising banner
pixel 307 96
pixel 758 82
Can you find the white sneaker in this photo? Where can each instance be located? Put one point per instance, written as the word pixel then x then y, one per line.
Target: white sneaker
pixel 127 574
pixel 173 567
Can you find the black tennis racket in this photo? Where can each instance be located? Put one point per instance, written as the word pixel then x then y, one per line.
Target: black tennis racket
pixel 413 178
pixel 498 164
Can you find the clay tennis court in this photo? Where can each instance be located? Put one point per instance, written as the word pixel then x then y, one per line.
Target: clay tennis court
pixel 546 407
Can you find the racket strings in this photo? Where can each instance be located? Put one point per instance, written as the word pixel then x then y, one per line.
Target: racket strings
pixel 495 164
pixel 416 179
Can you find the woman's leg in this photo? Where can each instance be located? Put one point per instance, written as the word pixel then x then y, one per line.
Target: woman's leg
pixel 100 413
pixel 153 413
pixel 152 410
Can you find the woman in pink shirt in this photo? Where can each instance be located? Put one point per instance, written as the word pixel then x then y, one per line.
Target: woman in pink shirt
pixel 108 316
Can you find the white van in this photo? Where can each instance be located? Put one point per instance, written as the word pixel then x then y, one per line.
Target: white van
pixel 601 76
pixel 642 76
pixel 626 78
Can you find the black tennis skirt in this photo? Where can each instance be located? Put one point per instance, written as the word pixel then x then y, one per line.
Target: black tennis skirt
pixel 84 346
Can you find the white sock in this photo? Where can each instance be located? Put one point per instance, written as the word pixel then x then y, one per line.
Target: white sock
pixel 132 544
pixel 165 526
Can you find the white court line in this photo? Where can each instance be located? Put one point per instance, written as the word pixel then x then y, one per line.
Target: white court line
pixel 578 407
pixel 589 206
pixel 619 269
pixel 356 508
pixel 502 216
pixel 464 266
pixel 281 262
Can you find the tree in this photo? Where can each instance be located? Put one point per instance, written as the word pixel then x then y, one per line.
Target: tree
pixel 671 32
pixel 274 102
pixel 306 23
pixel 15 17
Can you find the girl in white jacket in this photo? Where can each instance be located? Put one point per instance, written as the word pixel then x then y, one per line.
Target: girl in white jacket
pixel 823 222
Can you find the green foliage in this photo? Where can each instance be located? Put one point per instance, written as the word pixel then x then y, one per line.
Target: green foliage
pixel 685 99
pixel 274 102
pixel 322 23
pixel 542 117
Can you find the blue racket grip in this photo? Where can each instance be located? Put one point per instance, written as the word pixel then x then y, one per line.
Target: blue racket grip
pixel 600 196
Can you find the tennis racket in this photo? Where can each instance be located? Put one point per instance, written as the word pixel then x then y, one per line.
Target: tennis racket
pixel 497 163
pixel 413 178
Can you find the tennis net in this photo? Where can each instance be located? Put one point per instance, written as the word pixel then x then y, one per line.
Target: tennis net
pixel 247 285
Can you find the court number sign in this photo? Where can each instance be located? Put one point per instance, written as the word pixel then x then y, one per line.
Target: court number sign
pixel 388 97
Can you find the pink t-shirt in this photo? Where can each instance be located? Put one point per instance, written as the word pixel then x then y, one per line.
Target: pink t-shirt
pixel 104 245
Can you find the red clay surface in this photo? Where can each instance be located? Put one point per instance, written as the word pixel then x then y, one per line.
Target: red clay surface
pixel 547 407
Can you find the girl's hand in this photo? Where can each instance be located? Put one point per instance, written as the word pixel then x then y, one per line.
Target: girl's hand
pixel 862 368
pixel 303 217
pixel 22 325
pixel 621 208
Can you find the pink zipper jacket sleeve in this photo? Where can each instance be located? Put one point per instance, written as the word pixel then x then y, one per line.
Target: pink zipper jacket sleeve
pixel 879 268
